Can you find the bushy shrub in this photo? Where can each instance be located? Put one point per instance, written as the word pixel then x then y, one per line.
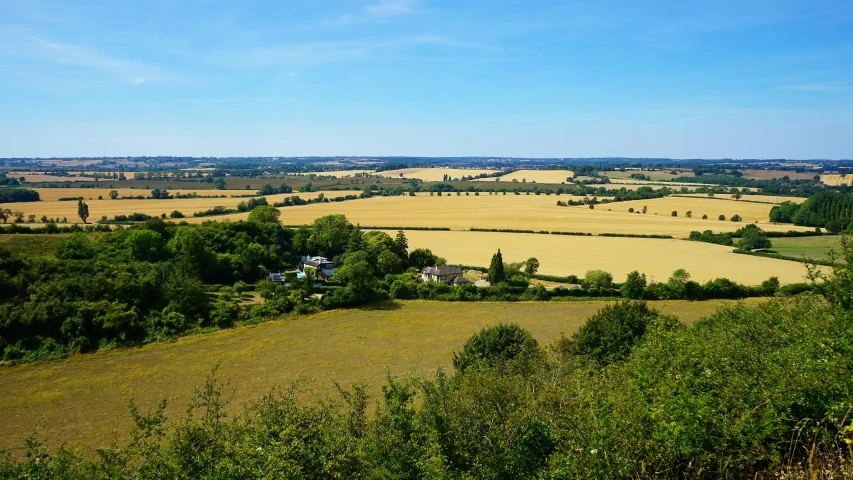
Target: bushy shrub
pixel 495 346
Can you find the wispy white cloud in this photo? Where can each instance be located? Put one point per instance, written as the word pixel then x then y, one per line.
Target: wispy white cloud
pixel 31 48
pixel 380 11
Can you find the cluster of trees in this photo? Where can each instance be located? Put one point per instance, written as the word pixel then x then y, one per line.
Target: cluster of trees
pixel 268 189
pixel 829 209
pixel 6 181
pixel 12 195
pixel 750 237
pixel 680 287
pixel 747 392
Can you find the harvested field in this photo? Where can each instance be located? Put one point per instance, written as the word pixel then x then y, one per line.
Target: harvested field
pixel 50 194
pixel 81 399
pixel 656 175
pixel 520 212
pixel 575 255
pixel 339 173
pixel 538 176
pixel 775 199
pixel 434 174
pixel 110 208
pixel 749 211
pixel 837 180
pixel 635 186
pixel 41 177
pixel 772 174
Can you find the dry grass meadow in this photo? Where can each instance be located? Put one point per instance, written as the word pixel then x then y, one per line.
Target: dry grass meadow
pixel 575 255
pixel 82 399
pixel 656 175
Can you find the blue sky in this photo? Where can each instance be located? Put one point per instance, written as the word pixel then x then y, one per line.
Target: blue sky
pixel 682 79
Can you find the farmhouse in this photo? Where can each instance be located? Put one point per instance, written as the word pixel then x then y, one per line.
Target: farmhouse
pixel 319 267
pixel 444 274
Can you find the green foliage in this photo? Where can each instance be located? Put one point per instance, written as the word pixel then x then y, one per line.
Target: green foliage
pixel 264 214
pixel 82 210
pixel 496 269
pixel 634 285
pixel 12 195
pixel 611 334
pixel 494 347
pixel 753 237
pixel 598 279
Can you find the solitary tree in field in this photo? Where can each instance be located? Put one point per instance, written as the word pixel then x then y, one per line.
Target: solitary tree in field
pixel 496 268
pixel 5 213
pixel 645 208
pixel 82 210
pixel 674 213
pixel 689 214
pixel 113 194
pixel 721 218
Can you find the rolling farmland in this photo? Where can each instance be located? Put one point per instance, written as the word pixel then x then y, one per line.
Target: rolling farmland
pixel 574 255
pixel 110 208
pixel 713 207
pixel 81 399
pixel 528 212
pixel 434 174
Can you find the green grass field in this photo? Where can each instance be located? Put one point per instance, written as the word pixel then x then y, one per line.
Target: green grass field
pixel 812 247
pixel 33 245
pixel 81 400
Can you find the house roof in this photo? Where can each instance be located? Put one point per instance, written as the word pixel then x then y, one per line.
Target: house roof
pixel 442 270
pixel 459 280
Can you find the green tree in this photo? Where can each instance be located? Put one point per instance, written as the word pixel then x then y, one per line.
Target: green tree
pixel 598 279
pixel 82 210
pixel 75 247
pixel 496 269
pixel 357 273
pixel 611 334
pixel 495 346
pixel 753 237
pixel 634 285
pixel 145 245
pixel 331 234
pixel 264 214
pixel 219 183
pixel 674 213
pixel 113 194
pixel 5 214
pixel 721 218
pixel 401 245
pixel 421 258
pixel 531 266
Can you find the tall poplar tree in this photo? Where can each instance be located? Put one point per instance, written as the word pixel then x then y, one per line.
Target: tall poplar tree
pixel 496 269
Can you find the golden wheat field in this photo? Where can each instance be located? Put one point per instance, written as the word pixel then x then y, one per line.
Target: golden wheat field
pixel 775 199
pixel 339 173
pixel 434 174
pixel 520 212
pixel 81 399
pixel 42 177
pixel 837 180
pixel 539 176
pixel 574 255
pixel 656 175
pixel 110 208
pixel 713 207
pixel 52 194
